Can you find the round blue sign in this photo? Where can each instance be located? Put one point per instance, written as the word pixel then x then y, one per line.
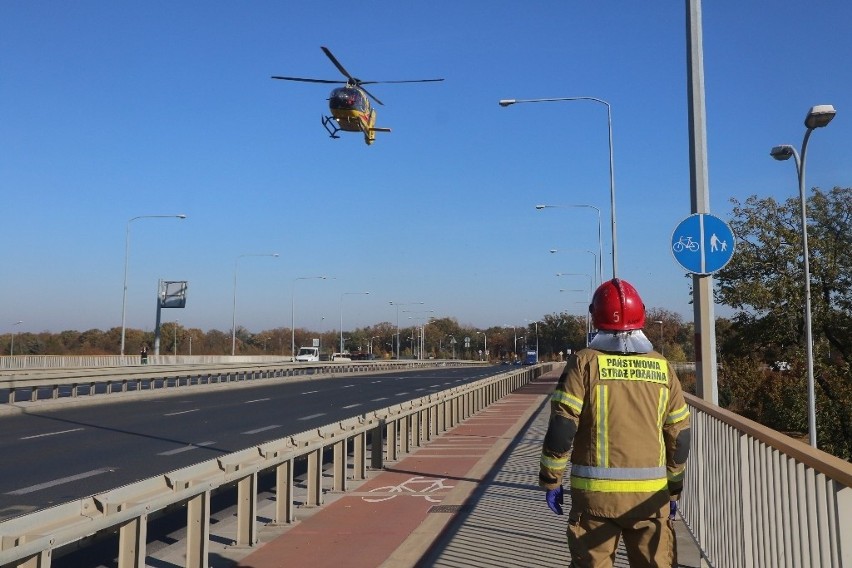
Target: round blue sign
pixel 703 243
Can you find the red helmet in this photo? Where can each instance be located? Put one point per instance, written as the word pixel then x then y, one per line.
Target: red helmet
pixel 616 306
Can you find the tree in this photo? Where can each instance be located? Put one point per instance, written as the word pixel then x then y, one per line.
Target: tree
pixel 764 281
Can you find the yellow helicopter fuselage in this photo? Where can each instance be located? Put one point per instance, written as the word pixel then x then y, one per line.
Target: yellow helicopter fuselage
pixel 350 107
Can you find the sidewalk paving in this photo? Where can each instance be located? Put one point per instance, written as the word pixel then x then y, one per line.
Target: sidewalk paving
pixel 466 498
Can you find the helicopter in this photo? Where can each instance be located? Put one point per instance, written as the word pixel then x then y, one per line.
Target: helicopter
pixel 350 106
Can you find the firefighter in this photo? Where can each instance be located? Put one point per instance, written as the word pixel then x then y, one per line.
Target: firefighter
pixel 619 411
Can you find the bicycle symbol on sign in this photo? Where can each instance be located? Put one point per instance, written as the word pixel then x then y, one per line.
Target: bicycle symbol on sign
pixel 416 487
pixel 685 242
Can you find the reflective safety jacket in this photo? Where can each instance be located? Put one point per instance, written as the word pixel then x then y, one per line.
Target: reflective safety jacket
pixel 628 422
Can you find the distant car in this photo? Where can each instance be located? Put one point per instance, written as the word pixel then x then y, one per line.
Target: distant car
pixel 341 357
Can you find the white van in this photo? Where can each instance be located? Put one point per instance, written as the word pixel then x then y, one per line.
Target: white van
pixel 308 354
pixel 341 357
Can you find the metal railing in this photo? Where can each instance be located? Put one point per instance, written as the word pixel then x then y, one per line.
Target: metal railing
pixel 754 497
pixel 51 384
pixel 31 540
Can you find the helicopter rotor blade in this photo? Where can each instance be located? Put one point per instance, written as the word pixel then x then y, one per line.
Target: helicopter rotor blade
pixel 410 81
pixel 303 80
pixel 338 65
pixel 371 95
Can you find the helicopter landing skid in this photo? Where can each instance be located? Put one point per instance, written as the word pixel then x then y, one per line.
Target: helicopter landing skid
pixel 331 127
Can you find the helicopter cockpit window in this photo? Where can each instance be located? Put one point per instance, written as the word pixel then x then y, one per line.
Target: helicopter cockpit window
pixel 346 98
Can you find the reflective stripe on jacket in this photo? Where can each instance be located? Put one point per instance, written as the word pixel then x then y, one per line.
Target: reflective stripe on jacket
pixel 628 412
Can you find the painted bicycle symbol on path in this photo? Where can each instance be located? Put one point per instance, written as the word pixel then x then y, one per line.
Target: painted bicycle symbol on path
pixel 416 486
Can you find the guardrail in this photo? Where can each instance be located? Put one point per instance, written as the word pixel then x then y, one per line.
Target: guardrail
pixel 36 385
pixel 31 540
pixel 32 362
pixel 754 497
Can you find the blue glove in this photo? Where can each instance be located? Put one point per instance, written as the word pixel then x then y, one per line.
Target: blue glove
pixel 555 498
pixel 672 509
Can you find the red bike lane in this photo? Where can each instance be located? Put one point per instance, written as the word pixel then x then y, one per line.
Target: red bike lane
pixel 399 512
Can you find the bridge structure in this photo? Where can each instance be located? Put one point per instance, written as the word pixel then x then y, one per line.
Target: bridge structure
pixel 452 482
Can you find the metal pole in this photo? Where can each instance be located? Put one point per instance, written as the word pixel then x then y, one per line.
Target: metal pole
pixel 702 286
pixel 126 259
pixel 507 102
pixel 809 342
pixel 14 332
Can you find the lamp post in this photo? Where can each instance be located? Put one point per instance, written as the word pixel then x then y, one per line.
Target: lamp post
pixel 293 312
pixel 14 332
pixel 126 258
pixel 554 251
pixel 662 349
pixel 398 304
pixel 485 343
pixel 234 311
pixel 341 313
pixel 422 344
pixel 599 259
pixel 818 117
pixel 508 102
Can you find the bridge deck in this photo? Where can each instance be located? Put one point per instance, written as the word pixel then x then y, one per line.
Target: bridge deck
pixel 466 498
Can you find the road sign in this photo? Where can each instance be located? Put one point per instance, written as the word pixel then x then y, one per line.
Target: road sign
pixel 703 243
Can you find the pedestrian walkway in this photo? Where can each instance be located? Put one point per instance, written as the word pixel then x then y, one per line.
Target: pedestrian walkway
pixel 467 498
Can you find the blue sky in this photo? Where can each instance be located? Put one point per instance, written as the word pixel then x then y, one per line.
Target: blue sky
pixel 113 110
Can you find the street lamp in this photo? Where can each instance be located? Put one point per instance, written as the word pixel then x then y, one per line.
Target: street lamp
pixel 662 349
pixel 126 257
pixel 599 259
pixel 508 102
pixel 341 314
pixel 422 343
pixel 818 117
pixel 234 312
pixel 595 259
pixel 398 304
pixel 293 312
pixel 485 343
pixel 14 332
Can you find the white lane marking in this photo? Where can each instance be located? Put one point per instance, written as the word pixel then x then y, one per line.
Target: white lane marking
pixel 312 416
pixel 182 412
pixel 401 394
pixel 310 392
pixel 348 386
pixel 257 400
pixel 379 399
pixel 186 448
pixel 351 406
pixel 375 382
pixel 60 481
pixel 264 429
pixel 51 434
